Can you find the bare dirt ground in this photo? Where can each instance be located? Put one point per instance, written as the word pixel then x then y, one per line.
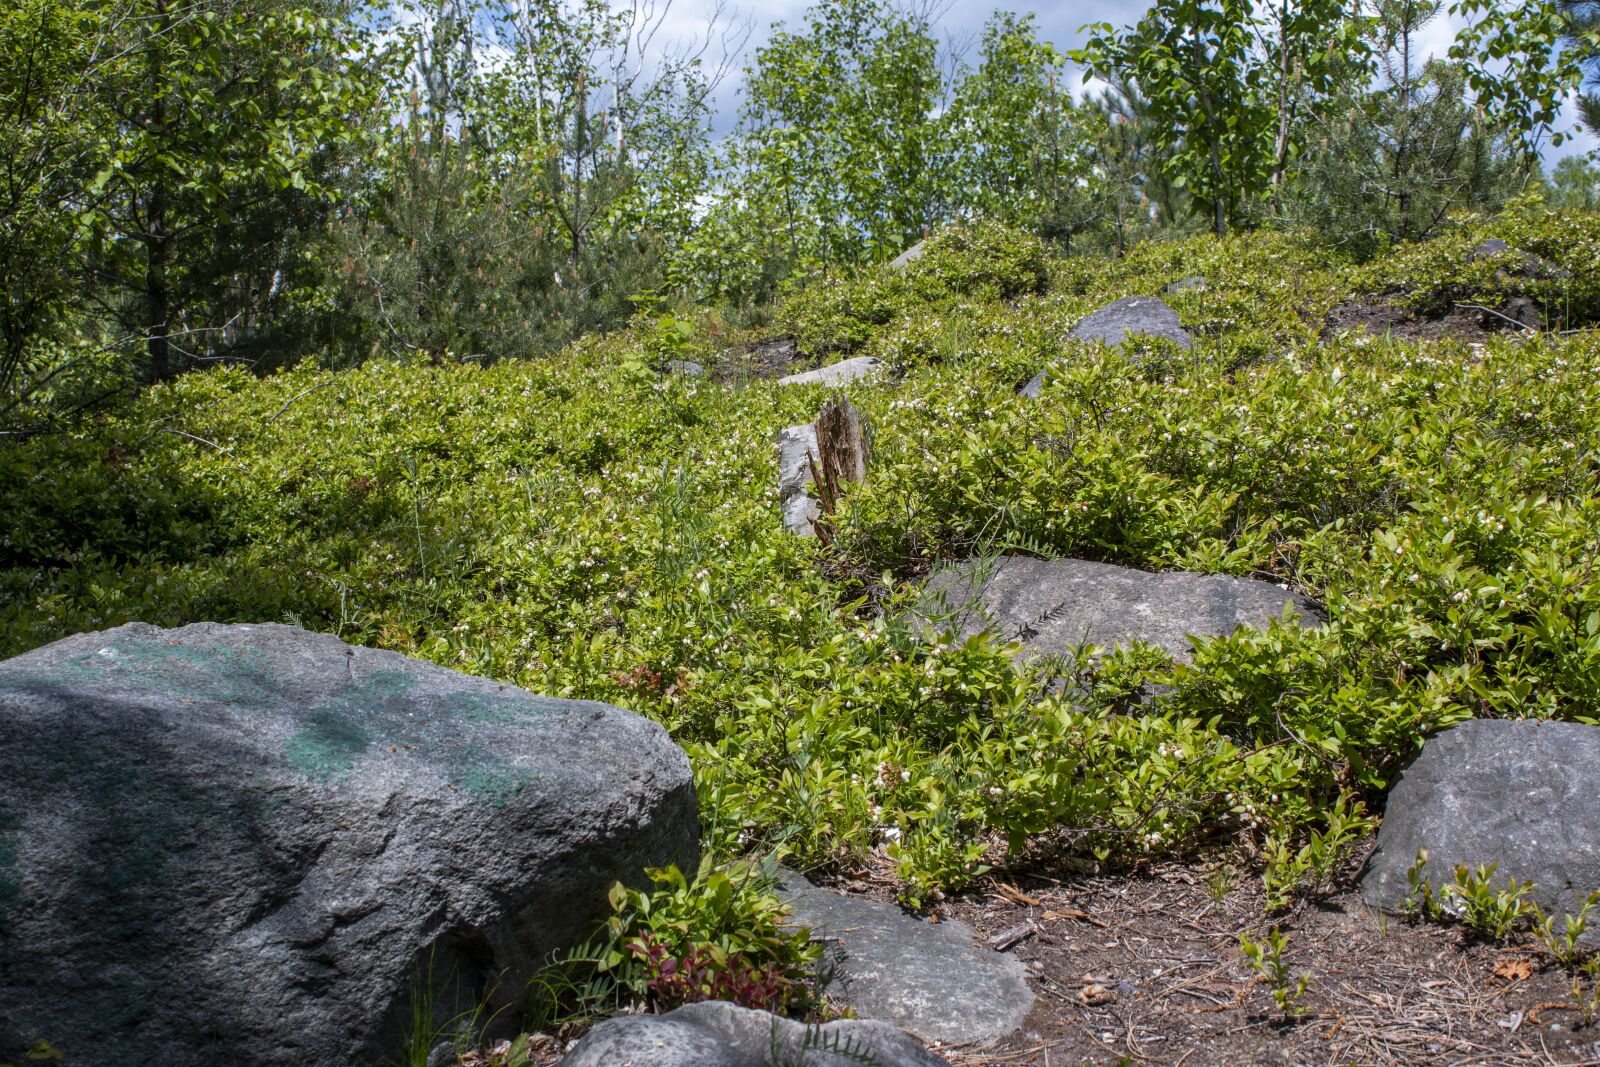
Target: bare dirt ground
pixel 1380 318
pixel 767 359
pixel 1147 969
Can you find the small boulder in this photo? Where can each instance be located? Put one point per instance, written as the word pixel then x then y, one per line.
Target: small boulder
pixel 1135 315
pixel 1524 795
pixel 252 844
pixel 1524 312
pixel 797 446
pixel 932 981
pixel 1488 249
pixel 841 373
pixel 909 256
pixel 1529 265
pixel 1113 324
pixel 1052 606
pixel 715 1033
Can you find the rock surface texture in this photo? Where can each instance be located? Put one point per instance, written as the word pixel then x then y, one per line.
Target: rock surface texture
pixel 909 256
pixel 719 1034
pixel 1052 606
pixel 797 445
pixel 246 845
pixel 841 373
pixel 1521 794
pixel 1113 324
pixel 932 981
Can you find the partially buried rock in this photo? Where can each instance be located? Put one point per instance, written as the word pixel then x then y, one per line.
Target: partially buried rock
pixel 909 256
pixel 718 1034
pixel 1523 795
pixel 1488 249
pixel 1053 606
pixel 1528 264
pixel 841 373
pixel 931 980
pixel 1134 316
pixel 252 844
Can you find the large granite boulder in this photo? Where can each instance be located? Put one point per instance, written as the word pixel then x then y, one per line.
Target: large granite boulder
pixel 842 373
pixel 252 845
pixel 1053 606
pixel 1145 316
pixel 718 1034
pixel 1524 795
pixel 933 981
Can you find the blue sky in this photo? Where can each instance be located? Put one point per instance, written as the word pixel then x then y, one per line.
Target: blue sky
pixel 1058 23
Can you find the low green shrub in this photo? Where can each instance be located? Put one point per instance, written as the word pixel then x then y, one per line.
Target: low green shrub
pixel 583 526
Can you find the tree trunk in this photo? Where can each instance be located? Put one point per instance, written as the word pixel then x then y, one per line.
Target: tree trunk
pixel 1280 147
pixel 157 239
pixel 842 442
pixel 1219 203
pixel 157 295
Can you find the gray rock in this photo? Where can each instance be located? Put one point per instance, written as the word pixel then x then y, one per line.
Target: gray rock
pixel 909 256
pixel 841 373
pixel 718 1034
pixel 1521 310
pixel 1051 606
pixel 796 446
pixel 1032 387
pixel 1113 324
pixel 688 368
pixel 932 981
pixel 250 844
pixel 1488 249
pixel 1530 265
pixel 1181 284
pixel 1135 315
pixel 1521 794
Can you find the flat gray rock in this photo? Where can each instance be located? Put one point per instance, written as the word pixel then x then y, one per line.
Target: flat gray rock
pixel 1521 794
pixel 250 844
pixel 841 373
pixel 718 1034
pixel 796 446
pixel 909 256
pixel 1052 606
pixel 1113 324
pixel 932 981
